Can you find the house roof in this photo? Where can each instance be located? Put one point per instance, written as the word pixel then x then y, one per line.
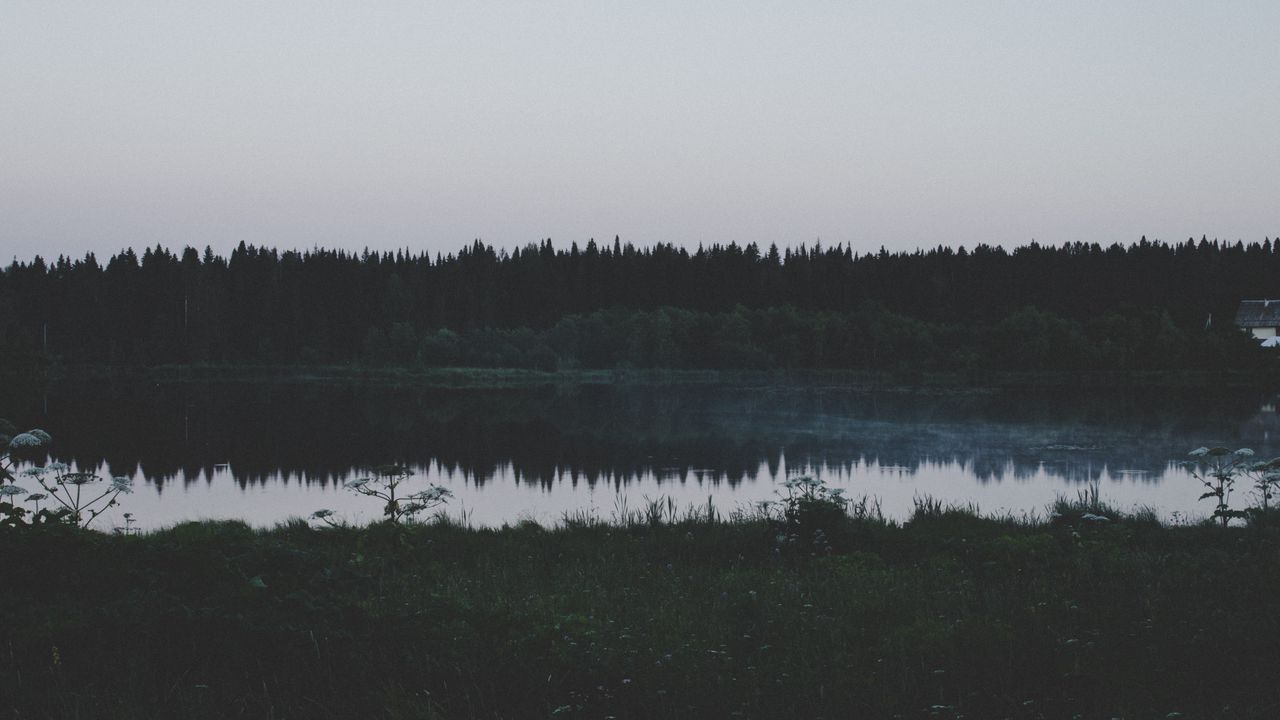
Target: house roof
pixel 1258 313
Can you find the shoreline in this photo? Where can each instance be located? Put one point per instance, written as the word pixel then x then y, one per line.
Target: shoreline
pixel 499 378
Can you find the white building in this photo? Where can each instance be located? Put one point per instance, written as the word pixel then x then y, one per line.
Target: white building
pixel 1260 317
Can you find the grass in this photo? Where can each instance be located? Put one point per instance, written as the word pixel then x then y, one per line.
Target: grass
pixel 666 613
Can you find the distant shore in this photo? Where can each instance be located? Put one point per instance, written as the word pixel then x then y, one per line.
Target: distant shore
pixel 497 378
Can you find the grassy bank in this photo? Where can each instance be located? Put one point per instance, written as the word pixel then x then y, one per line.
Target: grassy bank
pixel 948 615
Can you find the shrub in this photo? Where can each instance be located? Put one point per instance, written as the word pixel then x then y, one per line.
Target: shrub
pixel 810 512
pixel 384 484
pixel 1217 470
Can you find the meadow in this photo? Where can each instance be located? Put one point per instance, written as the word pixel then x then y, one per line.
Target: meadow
pixel 653 612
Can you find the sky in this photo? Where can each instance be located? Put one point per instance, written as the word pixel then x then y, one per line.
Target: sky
pixel 426 125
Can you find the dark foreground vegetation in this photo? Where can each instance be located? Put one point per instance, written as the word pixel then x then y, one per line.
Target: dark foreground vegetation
pixel 658 614
pixel 1145 306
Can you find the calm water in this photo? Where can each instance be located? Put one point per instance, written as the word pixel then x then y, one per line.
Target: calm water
pixel 264 452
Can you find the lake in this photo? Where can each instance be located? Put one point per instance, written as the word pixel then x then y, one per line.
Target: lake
pixel 267 451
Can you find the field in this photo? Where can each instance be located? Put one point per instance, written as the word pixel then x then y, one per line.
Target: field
pixel 657 613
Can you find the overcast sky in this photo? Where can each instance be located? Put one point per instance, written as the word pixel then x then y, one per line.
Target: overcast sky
pixel 426 125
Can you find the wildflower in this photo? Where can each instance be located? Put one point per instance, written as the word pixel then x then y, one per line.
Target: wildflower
pixel 36 497
pixel 12 490
pixel 42 436
pixel 321 514
pixel 33 471
pixel 25 440
pixel 356 484
pixel 58 467
pixel 122 484
pixel 431 495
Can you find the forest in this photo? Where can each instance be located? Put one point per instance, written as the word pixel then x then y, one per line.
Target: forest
pixel 1143 306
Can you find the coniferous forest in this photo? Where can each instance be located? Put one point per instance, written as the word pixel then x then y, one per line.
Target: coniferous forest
pixel 1147 305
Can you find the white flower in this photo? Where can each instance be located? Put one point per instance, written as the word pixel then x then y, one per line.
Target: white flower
pixel 43 436
pixel 1199 452
pixel 11 490
pixel 434 493
pixel 122 484
pixel 357 484
pixel 58 467
pixel 1244 452
pixel 36 497
pixel 25 440
pixel 33 471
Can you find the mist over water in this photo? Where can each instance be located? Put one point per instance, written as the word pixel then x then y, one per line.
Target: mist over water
pixel 267 451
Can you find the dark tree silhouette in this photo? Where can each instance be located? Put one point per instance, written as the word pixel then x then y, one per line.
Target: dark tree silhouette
pixel 1078 306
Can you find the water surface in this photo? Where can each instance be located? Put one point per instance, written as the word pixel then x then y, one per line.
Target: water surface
pixel 267 451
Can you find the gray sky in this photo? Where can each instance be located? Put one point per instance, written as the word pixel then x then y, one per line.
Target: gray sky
pixel 426 125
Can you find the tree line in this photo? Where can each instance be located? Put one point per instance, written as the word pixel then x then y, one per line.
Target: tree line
pixel 1077 306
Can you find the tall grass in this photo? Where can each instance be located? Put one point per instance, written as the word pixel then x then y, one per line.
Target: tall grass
pixel 657 612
